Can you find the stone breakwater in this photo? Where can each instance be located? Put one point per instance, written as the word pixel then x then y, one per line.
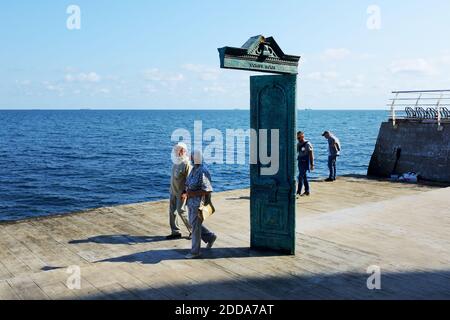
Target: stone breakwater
pixel 413 146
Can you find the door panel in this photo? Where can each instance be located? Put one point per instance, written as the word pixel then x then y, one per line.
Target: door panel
pixel 273 106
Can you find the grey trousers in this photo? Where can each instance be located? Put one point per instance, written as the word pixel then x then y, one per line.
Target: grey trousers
pixel 199 231
pixel 177 211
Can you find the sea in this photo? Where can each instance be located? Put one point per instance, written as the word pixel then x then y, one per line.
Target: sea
pixel 61 161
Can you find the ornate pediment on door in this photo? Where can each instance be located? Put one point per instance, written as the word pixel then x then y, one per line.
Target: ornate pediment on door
pixel 259 54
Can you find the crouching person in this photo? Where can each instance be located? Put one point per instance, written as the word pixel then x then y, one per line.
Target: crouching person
pixel 198 194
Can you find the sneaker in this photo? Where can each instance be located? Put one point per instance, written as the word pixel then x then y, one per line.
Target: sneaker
pixel 191 256
pixel 173 236
pixel 329 180
pixel 211 243
pixel 306 194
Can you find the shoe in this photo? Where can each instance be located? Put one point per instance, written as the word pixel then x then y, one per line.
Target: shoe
pixel 173 237
pixel 189 236
pixel 329 180
pixel 211 243
pixel 191 256
pixel 306 194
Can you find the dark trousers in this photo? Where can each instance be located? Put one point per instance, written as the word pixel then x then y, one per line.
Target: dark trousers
pixel 332 166
pixel 303 179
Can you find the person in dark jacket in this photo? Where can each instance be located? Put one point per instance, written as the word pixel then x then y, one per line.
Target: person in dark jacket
pixel 305 160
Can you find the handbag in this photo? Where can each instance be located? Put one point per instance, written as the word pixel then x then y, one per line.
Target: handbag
pixel 206 210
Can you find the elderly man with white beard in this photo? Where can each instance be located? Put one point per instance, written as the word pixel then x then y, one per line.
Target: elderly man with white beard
pixel 180 171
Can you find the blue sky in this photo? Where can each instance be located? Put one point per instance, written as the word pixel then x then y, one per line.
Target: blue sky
pixel 163 54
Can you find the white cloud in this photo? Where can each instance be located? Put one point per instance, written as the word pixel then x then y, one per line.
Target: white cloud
pixel 214 89
pixel 111 78
pixel 23 82
pixel 354 83
pixel 104 90
pixel 70 69
pixel 366 56
pixel 149 89
pixel 204 72
pixel 350 84
pixel 445 59
pixel 413 66
pixel 336 54
pixel 322 76
pixel 83 77
pixel 155 74
pixel 52 87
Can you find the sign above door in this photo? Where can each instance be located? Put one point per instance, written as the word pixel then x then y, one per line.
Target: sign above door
pixel 259 54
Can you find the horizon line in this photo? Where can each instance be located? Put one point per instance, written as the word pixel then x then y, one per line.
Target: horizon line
pixel 181 109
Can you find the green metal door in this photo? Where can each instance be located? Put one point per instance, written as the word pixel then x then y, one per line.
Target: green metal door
pixel 273 107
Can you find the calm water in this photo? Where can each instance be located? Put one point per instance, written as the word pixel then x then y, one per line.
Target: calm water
pixel 64 161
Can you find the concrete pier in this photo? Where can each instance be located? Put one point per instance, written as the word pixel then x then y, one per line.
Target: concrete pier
pixel 342 230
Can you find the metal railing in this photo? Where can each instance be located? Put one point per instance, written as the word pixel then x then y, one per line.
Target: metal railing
pixel 424 105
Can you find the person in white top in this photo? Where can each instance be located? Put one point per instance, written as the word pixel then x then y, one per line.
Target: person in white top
pixel 334 150
pixel 177 210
